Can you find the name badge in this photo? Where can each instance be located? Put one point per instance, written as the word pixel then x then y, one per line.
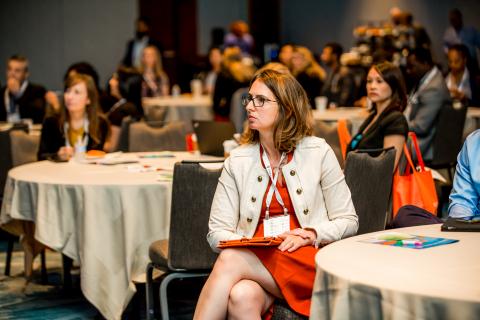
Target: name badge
pixel 457 104
pixel 277 225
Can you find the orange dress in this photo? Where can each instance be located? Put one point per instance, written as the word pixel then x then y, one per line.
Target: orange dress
pixel 294 272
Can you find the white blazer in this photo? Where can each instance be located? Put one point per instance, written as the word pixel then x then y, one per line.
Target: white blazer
pixel 315 182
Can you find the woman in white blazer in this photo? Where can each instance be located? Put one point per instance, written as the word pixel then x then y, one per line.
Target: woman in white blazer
pixel 307 203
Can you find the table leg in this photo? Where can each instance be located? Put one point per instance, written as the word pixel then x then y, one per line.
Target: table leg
pixel 8 260
pixel 67 276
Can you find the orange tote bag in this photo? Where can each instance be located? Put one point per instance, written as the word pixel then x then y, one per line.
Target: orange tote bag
pixel 343 136
pixel 416 185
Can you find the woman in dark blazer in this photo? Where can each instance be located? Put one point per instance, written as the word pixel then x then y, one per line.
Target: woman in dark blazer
pixel 78 127
pixel 386 126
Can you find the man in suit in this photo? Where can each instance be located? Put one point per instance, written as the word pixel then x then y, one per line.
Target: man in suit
pixel 427 98
pixel 133 54
pixel 20 99
pixel 339 86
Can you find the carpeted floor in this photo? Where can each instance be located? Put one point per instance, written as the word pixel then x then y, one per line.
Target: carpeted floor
pixel 34 300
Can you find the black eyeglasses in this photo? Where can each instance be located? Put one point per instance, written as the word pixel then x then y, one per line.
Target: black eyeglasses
pixel 258 101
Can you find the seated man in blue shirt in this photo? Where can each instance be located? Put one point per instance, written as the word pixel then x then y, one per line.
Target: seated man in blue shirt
pixel 465 195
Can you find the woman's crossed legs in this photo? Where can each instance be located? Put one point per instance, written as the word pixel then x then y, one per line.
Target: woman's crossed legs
pixel 239 286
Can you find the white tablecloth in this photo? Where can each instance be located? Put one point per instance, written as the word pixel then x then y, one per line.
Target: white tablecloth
pixel 358 280
pixel 104 217
pixel 355 115
pixel 182 108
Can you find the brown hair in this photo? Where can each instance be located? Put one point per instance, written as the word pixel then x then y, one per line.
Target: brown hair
pixel 91 109
pixel 294 120
pixel 392 75
pixel 310 66
pixel 277 66
pixel 19 58
pixel 158 69
pixel 233 65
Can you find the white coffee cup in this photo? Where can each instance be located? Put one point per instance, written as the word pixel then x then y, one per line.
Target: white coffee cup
pixel 321 103
pixel 176 90
pixel 28 122
pixel 196 87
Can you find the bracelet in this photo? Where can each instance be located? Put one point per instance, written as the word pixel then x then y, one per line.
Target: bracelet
pixel 315 243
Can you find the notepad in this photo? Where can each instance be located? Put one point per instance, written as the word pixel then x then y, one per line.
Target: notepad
pixel 408 241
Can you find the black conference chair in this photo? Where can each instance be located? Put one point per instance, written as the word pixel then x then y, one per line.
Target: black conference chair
pixel 6 154
pixel 150 135
pixel 123 139
pixel 157 136
pixel 448 138
pixel 181 256
pixel 447 143
pixel 156 113
pixel 17 148
pixel 370 182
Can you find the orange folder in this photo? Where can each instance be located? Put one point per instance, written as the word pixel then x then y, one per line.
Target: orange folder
pixel 253 242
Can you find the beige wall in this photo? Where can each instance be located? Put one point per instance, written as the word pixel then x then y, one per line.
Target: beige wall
pixel 57 33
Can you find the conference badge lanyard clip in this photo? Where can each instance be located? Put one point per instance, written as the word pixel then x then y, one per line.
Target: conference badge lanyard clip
pixel 272 227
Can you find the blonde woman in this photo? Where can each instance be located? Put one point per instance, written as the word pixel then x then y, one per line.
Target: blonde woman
pixel 155 81
pixel 235 73
pixel 308 72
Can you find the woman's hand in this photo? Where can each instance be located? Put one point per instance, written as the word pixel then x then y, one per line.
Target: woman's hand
pixel 291 243
pixel 65 153
pixel 294 239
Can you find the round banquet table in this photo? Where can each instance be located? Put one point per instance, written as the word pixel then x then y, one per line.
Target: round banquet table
pixel 103 216
pixel 357 280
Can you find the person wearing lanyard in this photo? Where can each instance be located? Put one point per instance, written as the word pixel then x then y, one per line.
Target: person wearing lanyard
pixel 79 127
pixel 460 82
pixel 427 98
pixel 20 98
pixel 281 182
